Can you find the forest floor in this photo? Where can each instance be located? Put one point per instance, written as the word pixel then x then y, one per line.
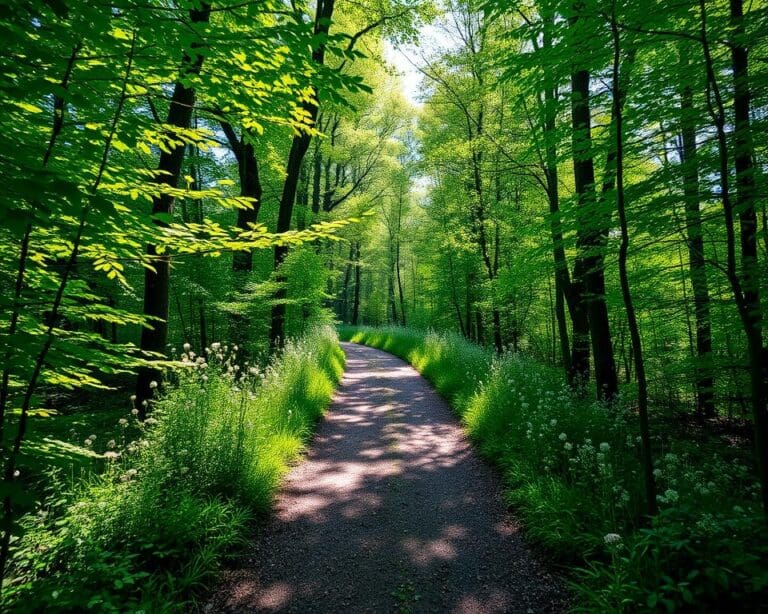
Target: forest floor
pixel 391 511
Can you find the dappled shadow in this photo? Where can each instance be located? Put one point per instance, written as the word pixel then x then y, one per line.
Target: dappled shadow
pixel 390 510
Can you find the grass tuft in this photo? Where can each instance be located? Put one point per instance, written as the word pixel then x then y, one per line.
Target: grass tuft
pixel 151 531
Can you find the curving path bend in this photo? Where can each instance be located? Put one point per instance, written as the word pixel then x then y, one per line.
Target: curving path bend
pixel 391 511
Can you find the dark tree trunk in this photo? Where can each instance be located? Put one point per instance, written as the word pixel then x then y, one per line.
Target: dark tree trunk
pixel 302 198
pixel 745 290
pixel 156 283
pixel 634 330
pixel 745 204
pixel 299 146
pixel 704 381
pixel 250 186
pixel 592 234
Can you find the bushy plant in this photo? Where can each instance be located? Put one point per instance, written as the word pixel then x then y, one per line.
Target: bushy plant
pixel 150 530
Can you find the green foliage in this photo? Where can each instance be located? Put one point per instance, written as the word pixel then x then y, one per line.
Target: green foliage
pixel 572 472
pixel 150 532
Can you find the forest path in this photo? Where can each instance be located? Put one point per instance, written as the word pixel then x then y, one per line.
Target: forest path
pixel 391 511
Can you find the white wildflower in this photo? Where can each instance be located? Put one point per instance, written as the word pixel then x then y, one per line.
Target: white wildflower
pixel 568 446
pixel 604 447
pixel 187 347
pixel 612 539
pixel 562 436
pixel 553 422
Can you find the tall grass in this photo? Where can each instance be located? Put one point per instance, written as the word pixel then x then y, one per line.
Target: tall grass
pixel 149 533
pixel 572 471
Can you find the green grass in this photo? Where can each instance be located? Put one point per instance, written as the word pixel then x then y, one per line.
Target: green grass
pixel 572 472
pixel 150 532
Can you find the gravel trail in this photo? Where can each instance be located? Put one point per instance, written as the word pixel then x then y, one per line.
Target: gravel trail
pixel 391 511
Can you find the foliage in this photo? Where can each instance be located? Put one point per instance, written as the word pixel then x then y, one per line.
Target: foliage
pixel 150 532
pixel 571 468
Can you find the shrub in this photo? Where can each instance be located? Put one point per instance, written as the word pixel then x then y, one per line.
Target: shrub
pixel 149 532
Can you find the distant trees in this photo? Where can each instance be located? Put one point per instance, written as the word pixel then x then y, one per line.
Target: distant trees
pixel 614 212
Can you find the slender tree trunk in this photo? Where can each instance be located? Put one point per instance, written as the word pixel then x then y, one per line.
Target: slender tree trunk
pixel 344 305
pixel 634 330
pixel 157 281
pixel 592 231
pixel 299 146
pixel 356 295
pixel 743 286
pixel 704 381
pixel 399 283
pixel 454 296
pixel 745 204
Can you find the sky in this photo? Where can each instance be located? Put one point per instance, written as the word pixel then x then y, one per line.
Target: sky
pixel 403 59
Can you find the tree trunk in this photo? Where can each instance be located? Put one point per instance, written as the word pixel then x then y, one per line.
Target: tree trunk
pixel 704 381
pixel 399 283
pixel 745 204
pixel 299 146
pixel 356 295
pixel 592 233
pixel 156 282
pixel 634 330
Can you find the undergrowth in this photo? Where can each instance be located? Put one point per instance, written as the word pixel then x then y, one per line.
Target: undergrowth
pixel 148 533
pixel 572 472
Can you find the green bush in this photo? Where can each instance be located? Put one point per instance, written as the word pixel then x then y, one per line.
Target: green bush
pixel 572 471
pixel 150 531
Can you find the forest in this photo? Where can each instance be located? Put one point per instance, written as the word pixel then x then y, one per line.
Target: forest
pixel 555 210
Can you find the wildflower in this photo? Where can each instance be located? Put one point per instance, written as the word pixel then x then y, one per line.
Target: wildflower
pixel 144 403
pixel 135 412
pixel 568 446
pixel 253 371
pixel 111 443
pixel 657 472
pixel 604 447
pixel 187 347
pixel 204 378
pixel 215 346
pixel 611 539
pixel 87 443
pixel 110 456
pixel 553 422
pixel 562 436
pixel 150 421
pixel 16 473
pixel 123 421
pixel 133 397
pixel 200 360
pixel 131 472
pixel 153 384
pixel 671 496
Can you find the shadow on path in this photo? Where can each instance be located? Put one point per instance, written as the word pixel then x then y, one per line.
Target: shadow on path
pixel 390 512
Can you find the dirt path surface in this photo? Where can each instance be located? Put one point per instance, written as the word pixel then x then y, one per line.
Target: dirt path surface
pixel 390 512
